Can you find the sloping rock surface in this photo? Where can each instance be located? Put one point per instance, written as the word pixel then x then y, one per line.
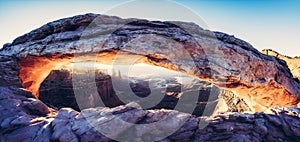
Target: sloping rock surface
pixel 293 63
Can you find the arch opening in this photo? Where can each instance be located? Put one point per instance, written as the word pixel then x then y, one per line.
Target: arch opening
pixel 51 81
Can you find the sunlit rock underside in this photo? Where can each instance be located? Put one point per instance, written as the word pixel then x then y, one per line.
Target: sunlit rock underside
pixel 259 80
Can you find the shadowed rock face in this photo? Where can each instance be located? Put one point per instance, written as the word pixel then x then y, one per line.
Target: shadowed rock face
pixel 58 91
pixel 141 88
pixel 259 80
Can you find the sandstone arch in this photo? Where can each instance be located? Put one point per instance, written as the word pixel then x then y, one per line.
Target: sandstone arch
pixel 55 44
pixel 261 79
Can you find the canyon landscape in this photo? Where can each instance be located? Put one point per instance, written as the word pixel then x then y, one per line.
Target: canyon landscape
pixel 67 81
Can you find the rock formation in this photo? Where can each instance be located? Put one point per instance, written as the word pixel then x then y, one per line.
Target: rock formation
pixel 213 56
pixel 257 82
pixel 57 91
pixel 293 63
pixel 33 121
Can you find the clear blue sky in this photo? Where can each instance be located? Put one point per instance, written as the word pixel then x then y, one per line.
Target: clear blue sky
pixel 264 23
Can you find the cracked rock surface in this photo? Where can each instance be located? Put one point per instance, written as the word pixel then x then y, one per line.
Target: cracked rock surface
pixel 25 123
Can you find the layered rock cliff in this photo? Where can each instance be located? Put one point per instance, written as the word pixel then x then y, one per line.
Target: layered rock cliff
pixel 258 81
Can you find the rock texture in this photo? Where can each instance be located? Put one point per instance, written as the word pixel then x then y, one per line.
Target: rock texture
pixel 293 63
pixel 260 80
pixel 216 57
pixel 57 91
pixel 33 121
pixel 9 72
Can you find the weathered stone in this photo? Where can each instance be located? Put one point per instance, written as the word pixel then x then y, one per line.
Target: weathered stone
pixel 292 63
pixel 279 124
pixel 36 106
pixel 9 72
pixel 259 81
pixel 57 42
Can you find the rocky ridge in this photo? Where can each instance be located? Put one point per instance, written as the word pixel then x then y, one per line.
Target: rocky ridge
pixel 293 63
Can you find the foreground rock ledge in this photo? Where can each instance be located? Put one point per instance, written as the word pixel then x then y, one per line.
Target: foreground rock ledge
pixel 31 121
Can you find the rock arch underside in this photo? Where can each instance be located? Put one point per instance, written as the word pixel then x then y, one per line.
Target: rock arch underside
pixel 258 91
